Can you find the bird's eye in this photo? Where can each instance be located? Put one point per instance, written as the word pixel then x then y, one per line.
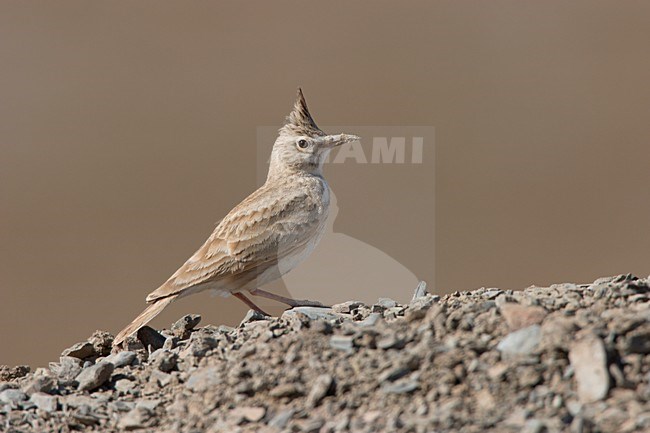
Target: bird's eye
pixel 302 144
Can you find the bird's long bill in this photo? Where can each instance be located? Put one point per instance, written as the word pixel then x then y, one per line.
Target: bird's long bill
pixel 338 139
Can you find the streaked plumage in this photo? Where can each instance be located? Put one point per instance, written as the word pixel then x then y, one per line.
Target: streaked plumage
pixel 267 234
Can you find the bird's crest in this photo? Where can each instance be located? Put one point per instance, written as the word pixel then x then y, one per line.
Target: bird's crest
pixel 299 121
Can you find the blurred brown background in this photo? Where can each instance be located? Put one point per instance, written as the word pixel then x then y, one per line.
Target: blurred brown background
pixel 128 128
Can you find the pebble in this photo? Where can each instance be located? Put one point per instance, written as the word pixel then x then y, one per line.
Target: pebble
pixel 134 419
pixel 40 383
pixel 12 396
pixel 638 343
pixel 420 290
pixel 321 387
pixel 402 387
pixel 521 342
pixel 94 376
pixel 164 360
pixel 288 390
pixel 203 379
pixel 521 316
pixel 386 303
pixel 281 419
pixel 342 342
pixel 183 327
pixel 313 313
pixel 347 307
pixel 149 337
pixel 81 350
pixel 248 413
pixel 121 359
pixel 589 361
pixel 45 402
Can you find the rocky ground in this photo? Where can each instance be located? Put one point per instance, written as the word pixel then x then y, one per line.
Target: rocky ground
pixel 572 358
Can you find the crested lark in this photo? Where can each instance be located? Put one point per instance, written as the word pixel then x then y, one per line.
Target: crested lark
pixel 267 234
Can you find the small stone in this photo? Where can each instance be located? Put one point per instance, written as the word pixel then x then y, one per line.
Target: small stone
pixel 342 342
pixel 12 396
pixel 281 419
pixel 638 343
pixel 286 390
pixel 492 293
pixel 134 419
pixel 589 361
pixel 390 341
pixel 313 313
pixel 81 350
pixel 149 405
pixel 386 303
pixel 123 386
pixel 521 316
pixel 121 359
pixel 253 316
pixel 347 307
pixel 102 342
pixel 85 415
pixel 163 360
pixel 420 290
pixel 521 342
pixel 8 373
pixel 149 337
pixel 370 321
pixel 67 369
pixel 45 402
pixel 41 383
pixel 183 327
pixel 534 426
pixel 203 379
pixel 402 387
pixel 322 386
pixel 248 413
pixel 94 376
pixel 417 309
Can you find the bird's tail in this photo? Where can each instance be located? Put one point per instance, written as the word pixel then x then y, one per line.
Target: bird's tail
pixel 145 317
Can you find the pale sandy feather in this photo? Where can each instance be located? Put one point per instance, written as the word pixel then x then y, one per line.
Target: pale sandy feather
pixel 261 239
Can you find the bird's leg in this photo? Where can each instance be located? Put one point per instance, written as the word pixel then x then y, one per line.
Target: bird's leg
pixel 250 303
pixel 290 302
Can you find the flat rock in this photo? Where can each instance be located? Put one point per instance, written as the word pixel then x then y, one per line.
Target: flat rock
pixel 45 402
pixel 81 350
pixel 313 313
pixel 589 361
pixel 347 307
pixel 94 376
pixel 121 359
pixel 521 342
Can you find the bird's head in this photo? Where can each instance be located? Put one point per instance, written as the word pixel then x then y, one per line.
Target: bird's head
pixel 301 146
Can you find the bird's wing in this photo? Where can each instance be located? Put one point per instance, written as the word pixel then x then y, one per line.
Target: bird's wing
pixel 251 238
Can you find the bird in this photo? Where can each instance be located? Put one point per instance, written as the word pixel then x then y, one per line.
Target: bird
pixel 266 235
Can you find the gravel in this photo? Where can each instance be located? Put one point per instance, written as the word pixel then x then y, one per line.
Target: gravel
pixel 564 358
